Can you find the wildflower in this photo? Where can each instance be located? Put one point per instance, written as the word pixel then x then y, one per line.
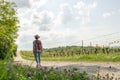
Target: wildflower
pixel 51 68
pixel 41 68
pixel 73 74
pixel 56 68
pixel 65 70
pixel 28 74
pixel 69 71
pixel 103 78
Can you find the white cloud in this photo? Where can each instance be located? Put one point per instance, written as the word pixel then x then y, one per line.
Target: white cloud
pixel 119 10
pixel 25 38
pixel 22 11
pixel 43 20
pixel 65 15
pixel 59 38
pixel 84 10
pixel 93 5
pixel 37 3
pixel 107 14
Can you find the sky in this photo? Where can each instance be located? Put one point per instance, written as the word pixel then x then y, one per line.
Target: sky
pixel 67 22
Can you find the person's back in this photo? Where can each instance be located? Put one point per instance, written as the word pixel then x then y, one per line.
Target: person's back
pixel 37 49
pixel 37 45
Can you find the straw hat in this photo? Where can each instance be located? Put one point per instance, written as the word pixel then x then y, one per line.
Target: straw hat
pixel 37 36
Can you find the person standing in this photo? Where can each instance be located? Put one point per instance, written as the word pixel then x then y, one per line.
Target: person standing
pixel 37 49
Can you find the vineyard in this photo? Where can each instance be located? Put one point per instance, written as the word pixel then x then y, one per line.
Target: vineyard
pixel 76 53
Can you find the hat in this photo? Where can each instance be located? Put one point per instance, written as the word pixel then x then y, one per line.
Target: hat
pixel 37 36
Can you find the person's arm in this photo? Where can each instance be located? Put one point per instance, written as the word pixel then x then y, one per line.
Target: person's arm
pixel 33 47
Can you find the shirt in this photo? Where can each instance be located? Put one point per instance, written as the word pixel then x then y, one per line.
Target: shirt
pixel 37 45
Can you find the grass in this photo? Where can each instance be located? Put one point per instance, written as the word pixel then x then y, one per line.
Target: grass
pixel 111 57
pixel 2 68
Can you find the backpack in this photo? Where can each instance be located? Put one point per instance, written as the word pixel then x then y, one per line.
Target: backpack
pixel 38 45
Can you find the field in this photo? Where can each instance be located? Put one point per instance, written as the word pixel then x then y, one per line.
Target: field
pixel 111 57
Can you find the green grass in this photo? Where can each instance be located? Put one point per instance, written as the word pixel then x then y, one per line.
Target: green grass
pixel 2 68
pixel 112 57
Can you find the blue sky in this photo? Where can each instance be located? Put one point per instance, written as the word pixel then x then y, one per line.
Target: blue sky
pixel 68 22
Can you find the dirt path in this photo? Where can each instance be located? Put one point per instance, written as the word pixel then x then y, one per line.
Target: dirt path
pixel 90 67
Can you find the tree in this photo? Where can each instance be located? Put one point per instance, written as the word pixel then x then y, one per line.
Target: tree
pixel 8 29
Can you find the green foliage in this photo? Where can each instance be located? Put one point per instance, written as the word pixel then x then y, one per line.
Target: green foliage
pixel 8 29
pixel 22 72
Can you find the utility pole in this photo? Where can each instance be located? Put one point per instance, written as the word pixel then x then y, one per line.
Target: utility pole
pixel 82 46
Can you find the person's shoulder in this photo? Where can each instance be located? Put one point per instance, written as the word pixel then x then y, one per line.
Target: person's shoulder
pixel 39 40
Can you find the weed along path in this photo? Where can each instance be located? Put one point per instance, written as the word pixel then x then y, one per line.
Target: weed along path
pixel 113 68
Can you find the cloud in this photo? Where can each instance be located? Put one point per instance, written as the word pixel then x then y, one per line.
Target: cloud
pixel 22 12
pixel 25 38
pixel 37 3
pixel 108 14
pixel 58 38
pixel 43 20
pixel 84 10
pixel 119 10
pixel 65 15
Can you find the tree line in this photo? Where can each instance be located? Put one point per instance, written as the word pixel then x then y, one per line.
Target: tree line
pixel 8 29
